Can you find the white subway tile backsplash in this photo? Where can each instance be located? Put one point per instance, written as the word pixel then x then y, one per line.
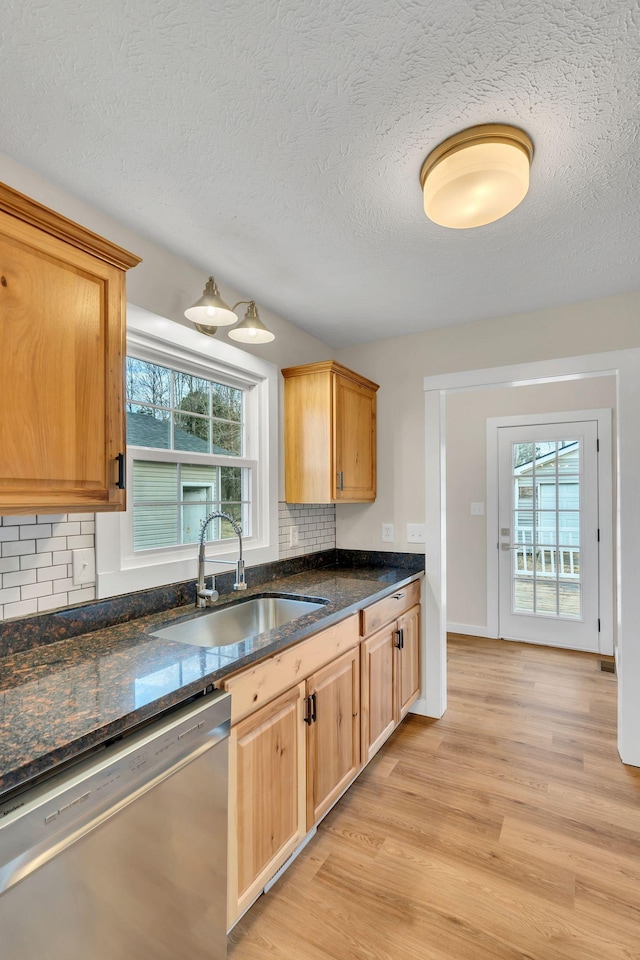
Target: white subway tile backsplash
pixel 68 528
pixel 74 543
pixel 22 609
pixel 18 548
pixel 32 590
pixel 62 556
pixel 35 562
pixel 52 602
pixel 316 525
pixel 61 586
pixel 51 543
pixel 30 531
pixel 19 578
pixel 36 572
pixel 81 596
pixel 10 595
pixel 9 533
pixel 53 573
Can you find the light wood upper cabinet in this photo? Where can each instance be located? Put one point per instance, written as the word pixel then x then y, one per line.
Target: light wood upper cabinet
pixel 62 334
pixel 267 784
pixel 330 434
pixel 333 736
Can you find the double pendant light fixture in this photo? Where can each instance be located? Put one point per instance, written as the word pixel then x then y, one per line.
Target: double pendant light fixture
pixel 210 312
pixel 476 176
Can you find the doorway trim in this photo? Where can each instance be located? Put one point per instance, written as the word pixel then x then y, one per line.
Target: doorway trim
pixel 605 515
pixel 625 366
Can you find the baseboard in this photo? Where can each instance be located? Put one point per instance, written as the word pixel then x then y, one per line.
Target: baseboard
pixel 472 630
pixel 420 709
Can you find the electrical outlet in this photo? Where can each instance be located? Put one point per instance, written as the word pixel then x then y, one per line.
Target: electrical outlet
pixel 293 536
pixel 387 533
pixel 84 566
pixel 416 532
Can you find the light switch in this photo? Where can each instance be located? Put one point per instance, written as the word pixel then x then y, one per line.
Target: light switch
pixel 84 566
pixel 477 509
pixel 416 532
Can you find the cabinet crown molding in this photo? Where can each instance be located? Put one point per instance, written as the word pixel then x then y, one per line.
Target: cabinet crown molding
pixel 329 366
pixel 30 211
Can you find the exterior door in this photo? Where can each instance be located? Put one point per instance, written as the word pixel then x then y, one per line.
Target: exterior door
pixel 548 534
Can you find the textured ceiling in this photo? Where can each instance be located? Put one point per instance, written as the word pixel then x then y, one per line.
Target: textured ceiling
pixel 278 144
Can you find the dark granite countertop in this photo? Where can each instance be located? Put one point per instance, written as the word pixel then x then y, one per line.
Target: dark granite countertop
pixel 59 699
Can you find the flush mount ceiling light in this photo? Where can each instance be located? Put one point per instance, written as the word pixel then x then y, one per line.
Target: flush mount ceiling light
pixel 477 176
pixel 210 312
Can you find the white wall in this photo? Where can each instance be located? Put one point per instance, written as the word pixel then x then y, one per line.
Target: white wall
pixel 163 284
pixel 467 414
pixel 399 365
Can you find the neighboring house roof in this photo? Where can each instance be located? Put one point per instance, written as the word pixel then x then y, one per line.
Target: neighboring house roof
pixel 145 431
pixel 546 457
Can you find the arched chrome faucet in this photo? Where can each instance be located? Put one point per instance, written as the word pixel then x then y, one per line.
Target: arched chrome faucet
pixel 204 596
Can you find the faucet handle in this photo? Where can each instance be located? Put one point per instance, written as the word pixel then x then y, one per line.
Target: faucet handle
pixel 240 583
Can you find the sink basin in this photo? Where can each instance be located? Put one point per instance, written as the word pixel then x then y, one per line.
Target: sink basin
pixel 241 621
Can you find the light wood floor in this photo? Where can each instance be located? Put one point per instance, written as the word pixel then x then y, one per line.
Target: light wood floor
pixel 508 830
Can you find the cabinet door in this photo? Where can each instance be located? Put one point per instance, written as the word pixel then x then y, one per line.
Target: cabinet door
pixel 354 411
pixel 378 690
pixel 333 733
pixel 267 794
pixel 61 367
pixel 408 660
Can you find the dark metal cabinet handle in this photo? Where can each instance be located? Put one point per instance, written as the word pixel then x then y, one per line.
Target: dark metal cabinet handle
pixel 340 480
pixel 122 472
pixel 314 706
pixel 398 596
pixel 307 711
pixel 400 636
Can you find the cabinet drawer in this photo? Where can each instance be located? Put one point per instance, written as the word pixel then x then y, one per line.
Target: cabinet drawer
pixel 384 611
pixel 256 685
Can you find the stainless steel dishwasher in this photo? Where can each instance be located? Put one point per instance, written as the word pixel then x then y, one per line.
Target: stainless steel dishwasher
pixel 123 856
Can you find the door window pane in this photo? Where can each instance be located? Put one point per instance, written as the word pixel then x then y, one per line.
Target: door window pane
pixel 570 600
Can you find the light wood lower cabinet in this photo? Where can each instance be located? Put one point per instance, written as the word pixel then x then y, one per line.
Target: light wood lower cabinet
pixel 408 659
pixel 303 723
pixel 378 690
pixel 267 784
pixel 333 736
pixel 390 678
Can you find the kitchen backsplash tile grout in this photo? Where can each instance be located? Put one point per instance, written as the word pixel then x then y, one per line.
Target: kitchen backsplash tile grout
pixel 36 571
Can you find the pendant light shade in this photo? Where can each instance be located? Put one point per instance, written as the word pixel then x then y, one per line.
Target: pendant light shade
pixel 210 310
pixel 252 329
pixel 477 176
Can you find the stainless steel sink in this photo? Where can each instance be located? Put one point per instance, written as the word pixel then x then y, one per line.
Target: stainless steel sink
pixel 241 621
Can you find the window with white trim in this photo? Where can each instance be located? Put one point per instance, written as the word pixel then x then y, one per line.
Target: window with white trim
pixel 203 435
pixel 187 439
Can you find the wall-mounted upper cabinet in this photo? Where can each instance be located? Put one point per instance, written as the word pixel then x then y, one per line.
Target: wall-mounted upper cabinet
pixel 62 336
pixel 330 435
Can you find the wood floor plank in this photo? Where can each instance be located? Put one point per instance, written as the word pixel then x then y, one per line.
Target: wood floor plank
pixel 507 830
